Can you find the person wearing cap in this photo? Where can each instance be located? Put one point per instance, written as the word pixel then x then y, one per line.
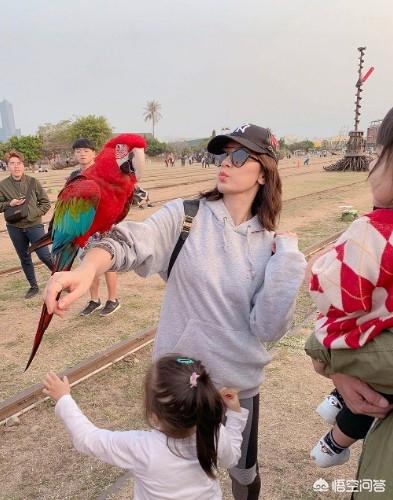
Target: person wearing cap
pixel 13 192
pixel 233 285
pixel 85 153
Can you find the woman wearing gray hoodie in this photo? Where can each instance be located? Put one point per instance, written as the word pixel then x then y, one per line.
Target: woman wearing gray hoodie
pixel 233 286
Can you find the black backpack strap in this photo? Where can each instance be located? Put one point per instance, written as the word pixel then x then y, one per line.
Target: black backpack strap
pixel 190 210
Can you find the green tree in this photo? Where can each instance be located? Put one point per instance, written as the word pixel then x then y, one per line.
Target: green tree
pixel 3 150
pixel 29 145
pixel 94 128
pixel 304 145
pixel 155 147
pixel 56 137
pixel 202 145
pixel 152 113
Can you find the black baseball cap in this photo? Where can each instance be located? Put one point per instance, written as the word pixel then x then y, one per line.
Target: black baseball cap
pixel 83 143
pixel 257 139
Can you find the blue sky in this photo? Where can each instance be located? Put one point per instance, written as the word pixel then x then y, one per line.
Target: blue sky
pixel 287 64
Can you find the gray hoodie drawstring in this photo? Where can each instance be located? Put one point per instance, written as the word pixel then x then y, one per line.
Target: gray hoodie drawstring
pixel 224 233
pixel 248 252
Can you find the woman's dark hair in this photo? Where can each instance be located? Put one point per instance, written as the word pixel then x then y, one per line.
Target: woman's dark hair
pixel 267 203
pixel 385 139
pixel 179 406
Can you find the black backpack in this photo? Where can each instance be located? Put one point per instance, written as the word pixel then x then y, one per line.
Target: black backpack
pixel 190 210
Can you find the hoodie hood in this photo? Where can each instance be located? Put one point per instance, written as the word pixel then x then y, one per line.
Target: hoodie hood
pixel 247 229
pixel 221 213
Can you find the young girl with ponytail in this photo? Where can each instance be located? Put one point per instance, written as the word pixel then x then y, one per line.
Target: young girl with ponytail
pixel 178 458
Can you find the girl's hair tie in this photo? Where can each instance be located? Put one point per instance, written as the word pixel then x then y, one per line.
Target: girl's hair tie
pixel 194 379
pixel 185 361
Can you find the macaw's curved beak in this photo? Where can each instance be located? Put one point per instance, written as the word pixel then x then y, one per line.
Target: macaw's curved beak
pixel 138 162
pixel 127 167
pixel 134 163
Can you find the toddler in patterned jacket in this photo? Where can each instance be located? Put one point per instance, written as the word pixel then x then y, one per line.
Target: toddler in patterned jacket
pixel 352 286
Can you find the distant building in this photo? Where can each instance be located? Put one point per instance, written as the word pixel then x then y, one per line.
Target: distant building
pixel 8 128
pixel 372 132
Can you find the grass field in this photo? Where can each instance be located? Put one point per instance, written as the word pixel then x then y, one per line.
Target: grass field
pixel 36 457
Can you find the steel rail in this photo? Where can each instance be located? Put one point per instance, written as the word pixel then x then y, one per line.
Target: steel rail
pixel 29 398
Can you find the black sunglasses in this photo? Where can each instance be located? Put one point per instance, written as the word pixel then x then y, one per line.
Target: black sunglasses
pixel 238 157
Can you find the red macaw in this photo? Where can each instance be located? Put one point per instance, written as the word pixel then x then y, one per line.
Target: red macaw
pixel 91 203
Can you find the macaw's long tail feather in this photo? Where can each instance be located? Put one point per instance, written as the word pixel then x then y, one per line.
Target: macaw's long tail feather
pixel 45 319
pixel 62 262
pixel 42 242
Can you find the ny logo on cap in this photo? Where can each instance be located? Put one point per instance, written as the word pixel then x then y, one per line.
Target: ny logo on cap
pixel 241 128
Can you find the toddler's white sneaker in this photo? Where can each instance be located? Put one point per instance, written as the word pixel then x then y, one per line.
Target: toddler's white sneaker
pixel 329 408
pixel 324 456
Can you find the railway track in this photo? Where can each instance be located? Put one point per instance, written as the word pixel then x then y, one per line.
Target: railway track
pixel 193 177
pixel 14 270
pixel 196 175
pixel 32 396
pixel 157 187
pixel 163 173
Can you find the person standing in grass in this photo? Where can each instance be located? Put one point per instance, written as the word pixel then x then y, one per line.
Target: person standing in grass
pixel 85 153
pixel 20 189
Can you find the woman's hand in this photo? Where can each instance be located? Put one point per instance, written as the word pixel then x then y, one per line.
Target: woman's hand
pixel 96 262
pixel 231 399
pixel 55 387
pixel 77 282
pixel 359 397
pixel 17 201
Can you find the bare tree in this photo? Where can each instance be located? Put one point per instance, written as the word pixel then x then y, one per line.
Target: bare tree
pixel 152 112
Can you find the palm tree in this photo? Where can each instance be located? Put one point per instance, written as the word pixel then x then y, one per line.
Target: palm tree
pixel 152 112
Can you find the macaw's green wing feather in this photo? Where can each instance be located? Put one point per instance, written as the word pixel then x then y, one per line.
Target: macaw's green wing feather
pixel 73 217
pixel 74 212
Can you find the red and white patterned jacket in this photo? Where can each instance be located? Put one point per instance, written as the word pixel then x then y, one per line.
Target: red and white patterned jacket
pixel 352 284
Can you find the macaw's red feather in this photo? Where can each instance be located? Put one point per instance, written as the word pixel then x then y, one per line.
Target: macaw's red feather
pixel 61 263
pixel 89 203
pixel 43 324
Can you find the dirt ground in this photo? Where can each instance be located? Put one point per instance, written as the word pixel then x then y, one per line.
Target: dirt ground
pixel 313 216
pixel 37 460
pixel 36 457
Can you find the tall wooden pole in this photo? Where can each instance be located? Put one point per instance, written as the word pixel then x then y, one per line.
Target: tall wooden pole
pixel 359 87
pixel 355 157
